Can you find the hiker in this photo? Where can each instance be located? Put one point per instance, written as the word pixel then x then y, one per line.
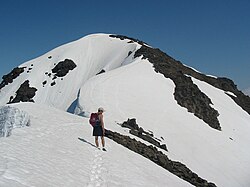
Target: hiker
pixel 98 129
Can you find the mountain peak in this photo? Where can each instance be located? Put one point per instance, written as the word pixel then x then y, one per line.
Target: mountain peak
pixel 191 117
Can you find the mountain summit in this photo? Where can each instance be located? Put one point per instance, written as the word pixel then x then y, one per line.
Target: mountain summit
pixel 193 125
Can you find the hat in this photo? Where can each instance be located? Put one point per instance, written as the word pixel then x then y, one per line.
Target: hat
pixel 101 109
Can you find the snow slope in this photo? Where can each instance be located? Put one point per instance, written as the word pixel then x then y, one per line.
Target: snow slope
pixel 57 149
pixel 91 54
pixel 219 156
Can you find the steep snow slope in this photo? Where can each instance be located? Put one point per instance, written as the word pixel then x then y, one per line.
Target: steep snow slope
pixel 91 54
pixel 218 156
pixel 57 150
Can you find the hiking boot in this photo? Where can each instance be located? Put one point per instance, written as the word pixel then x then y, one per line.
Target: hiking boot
pixel 104 149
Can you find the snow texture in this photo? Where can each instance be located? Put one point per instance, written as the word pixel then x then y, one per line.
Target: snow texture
pixel 58 148
pixel 10 118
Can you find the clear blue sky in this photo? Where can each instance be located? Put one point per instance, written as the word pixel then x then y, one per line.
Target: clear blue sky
pixel 212 36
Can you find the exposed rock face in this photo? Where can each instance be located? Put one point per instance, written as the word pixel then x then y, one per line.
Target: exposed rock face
pixel 159 158
pixel 187 94
pixel 24 93
pixel 121 37
pixel 139 132
pixel 11 76
pixel 63 67
pixel 222 83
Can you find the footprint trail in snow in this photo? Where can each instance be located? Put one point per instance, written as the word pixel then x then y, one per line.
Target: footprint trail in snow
pixel 98 172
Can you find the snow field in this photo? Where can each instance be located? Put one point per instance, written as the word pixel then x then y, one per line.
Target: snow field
pixel 57 150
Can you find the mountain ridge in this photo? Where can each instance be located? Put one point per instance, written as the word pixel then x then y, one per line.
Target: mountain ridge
pixel 200 118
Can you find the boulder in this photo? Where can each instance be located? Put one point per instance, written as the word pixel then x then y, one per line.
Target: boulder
pixel 7 79
pixel 24 93
pixel 63 67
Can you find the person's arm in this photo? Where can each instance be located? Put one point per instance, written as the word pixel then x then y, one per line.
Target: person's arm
pixel 102 124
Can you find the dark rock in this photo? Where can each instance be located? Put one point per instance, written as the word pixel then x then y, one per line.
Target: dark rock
pixel 7 79
pixel 134 132
pixel 169 67
pixel 159 158
pixel 63 67
pixel 242 100
pixel 44 82
pixel 150 140
pixel 131 124
pixel 49 57
pixel 129 53
pixel 53 83
pixel 102 71
pixel 139 132
pixel 163 146
pixel 187 94
pixel 162 159
pixel 24 93
pixel 121 37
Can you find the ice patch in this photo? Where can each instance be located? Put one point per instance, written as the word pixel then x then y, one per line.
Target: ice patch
pixel 10 118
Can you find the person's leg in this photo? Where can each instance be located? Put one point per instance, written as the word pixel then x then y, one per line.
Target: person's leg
pixel 103 142
pixel 96 141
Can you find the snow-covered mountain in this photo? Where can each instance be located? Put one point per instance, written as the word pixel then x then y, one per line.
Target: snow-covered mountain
pixel 194 128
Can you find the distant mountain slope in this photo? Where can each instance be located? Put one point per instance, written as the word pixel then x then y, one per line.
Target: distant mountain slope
pixel 58 75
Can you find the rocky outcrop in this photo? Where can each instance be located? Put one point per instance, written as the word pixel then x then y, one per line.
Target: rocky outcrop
pixel 187 94
pixel 7 79
pixel 222 83
pixel 121 37
pixel 228 85
pixel 139 132
pixel 44 83
pixel 150 152
pixel 25 93
pixel 63 67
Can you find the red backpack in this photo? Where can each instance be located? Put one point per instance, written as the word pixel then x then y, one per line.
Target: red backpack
pixel 93 118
